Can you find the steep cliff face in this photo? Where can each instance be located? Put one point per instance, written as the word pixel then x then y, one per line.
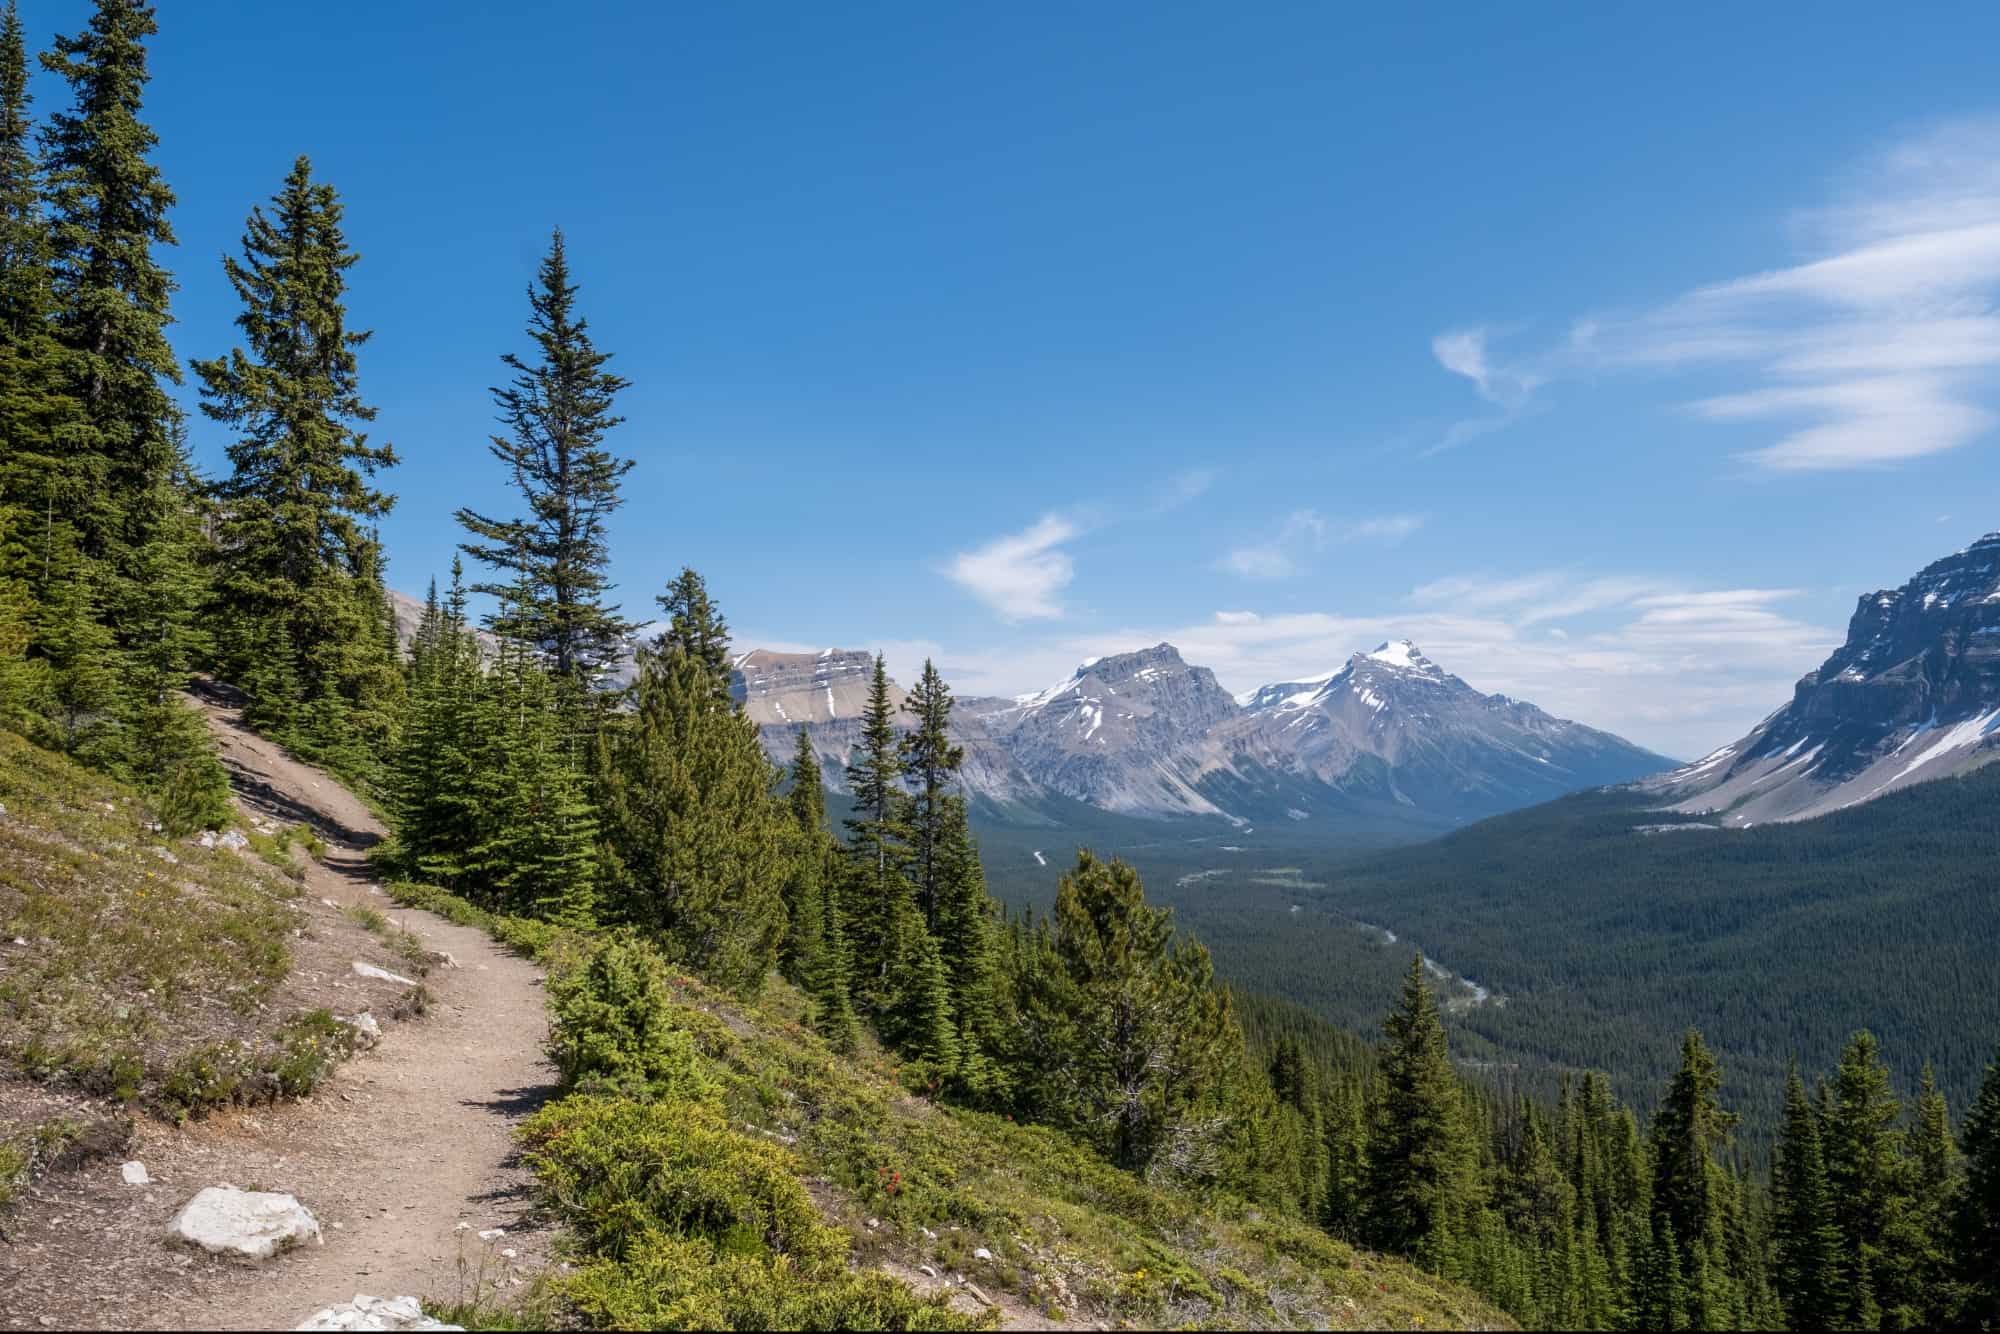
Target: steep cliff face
pixel 826 692
pixel 1913 694
pixel 1123 733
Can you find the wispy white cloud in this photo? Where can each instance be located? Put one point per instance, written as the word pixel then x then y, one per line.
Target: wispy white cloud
pixel 1466 352
pixel 1878 347
pixel 1286 551
pixel 1019 576
pixel 1282 553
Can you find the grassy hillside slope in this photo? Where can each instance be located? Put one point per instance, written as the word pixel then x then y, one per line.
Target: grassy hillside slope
pixel 911 1185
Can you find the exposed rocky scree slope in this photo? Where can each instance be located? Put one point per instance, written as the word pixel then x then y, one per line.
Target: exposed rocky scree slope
pixel 1914 694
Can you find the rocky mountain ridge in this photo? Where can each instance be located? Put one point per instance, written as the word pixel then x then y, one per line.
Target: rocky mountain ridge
pixel 1390 740
pixel 1912 695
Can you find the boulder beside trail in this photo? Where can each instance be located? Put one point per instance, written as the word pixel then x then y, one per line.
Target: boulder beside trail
pixel 381 974
pixel 244 1224
pixel 366 1312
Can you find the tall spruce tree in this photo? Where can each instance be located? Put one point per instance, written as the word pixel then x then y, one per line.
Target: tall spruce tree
pixel 106 211
pixel 1125 1039
pixel 695 626
pixel 695 841
pixel 1420 1150
pixel 1867 1175
pixel 1805 1240
pixel 818 951
pixel 299 587
pixel 557 410
pixel 877 836
pixel 1689 1130
pixel 1927 1232
pixel 967 938
pixel 1976 1212
pixel 930 761
pixel 33 407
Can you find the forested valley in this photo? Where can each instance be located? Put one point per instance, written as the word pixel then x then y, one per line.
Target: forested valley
pixel 641 833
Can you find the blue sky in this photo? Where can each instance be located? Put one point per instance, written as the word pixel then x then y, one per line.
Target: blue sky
pixel 1609 354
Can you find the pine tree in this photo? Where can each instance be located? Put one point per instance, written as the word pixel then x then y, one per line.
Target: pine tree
pixel 878 839
pixel 1420 1151
pixel 931 762
pixel 1806 1241
pixel 86 700
pixel 1976 1213
pixel 107 210
pixel 1867 1180
pixel 169 750
pixel 695 626
pixel 1689 1130
pixel 695 841
pixel 1125 1040
pixel 819 947
pixel 558 411
pixel 916 1005
pixel 299 587
pixel 34 468
pixel 967 942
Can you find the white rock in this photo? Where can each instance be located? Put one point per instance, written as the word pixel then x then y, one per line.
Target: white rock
pixel 927 1271
pixel 135 1174
pixel 380 974
pixel 509 1253
pixel 443 957
pixel 233 839
pixel 366 1031
pixel 244 1224
pixel 493 1234
pixel 981 1253
pixel 167 855
pixel 366 1312
pixel 205 839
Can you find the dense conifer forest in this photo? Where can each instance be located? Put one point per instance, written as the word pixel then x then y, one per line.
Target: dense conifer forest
pixel 647 822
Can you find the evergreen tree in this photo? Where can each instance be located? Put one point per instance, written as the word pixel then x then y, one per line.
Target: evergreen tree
pixel 695 841
pixel 436 779
pixel 107 210
pixel 1926 1231
pixel 1420 1152
pixel 695 626
pixel 930 761
pixel 967 942
pixel 85 698
pixel 1867 1176
pixel 819 947
pixel 1807 1243
pixel 1976 1214
pixel 35 474
pixel 1125 1040
pixel 878 839
pixel 1689 1129
pixel 299 590
pixel 557 411
pixel 916 1010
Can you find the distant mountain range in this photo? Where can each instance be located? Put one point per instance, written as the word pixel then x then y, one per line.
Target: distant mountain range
pixel 1914 694
pixel 1389 741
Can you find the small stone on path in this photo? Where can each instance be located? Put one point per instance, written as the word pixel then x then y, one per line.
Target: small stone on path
pixel 366 1312
pixel 244 1224
pixel 380 974
pixel 135 1174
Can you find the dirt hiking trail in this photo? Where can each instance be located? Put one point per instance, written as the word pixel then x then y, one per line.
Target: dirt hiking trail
pixel 402 1145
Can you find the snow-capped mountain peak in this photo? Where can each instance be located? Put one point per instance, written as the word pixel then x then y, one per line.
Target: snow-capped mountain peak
pixel 1403 655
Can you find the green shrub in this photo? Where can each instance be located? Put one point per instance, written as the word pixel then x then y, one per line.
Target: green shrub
pixel 620 1169
pixel 701 1227
pixel 611 1026
pixel 678 1283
